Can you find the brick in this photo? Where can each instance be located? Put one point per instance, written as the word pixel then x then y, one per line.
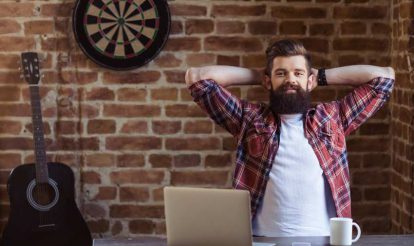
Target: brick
pixel 360 12
pixel 183 44
pixel 374 129
pixel 184 160
pixel 177 27
pixel 164 94
pixel 129 111
pixel 316 44
pixel 368 145
pixel 160 160
pixel 188 10
pixel 228 60
pixel 361 44
pixel 206 143
pixel 229 143
pixel 175 76
pixel 237 10
pixel 98 226
pixel 292 27
pixel 136 211
pixel 298 13
pixel 135 126
pixel 370 210
pixel 200 126
pixel 131 94
pixel 263 27
pixel 141 226
pixel 10 127
pixel 158 194
pixel 130 160
pixel 196 26
pixel 16 143
pixel 16 9
pixel 105 193
pixel 353 28
pixel 137 177
pixel 324 29
pixel 9 160
pixel 166 127
pixel 68 143
pixel 258 94
pixel 381 28
pixel 230 27
pixel 136 194
pixel 101 126
pixel 8 61
pixel 184 110
pixel 217 43
pixel 377 194
pixel 222 160
pixel 168 60
pixel 9 26
pixel 101 93
pixel 370 177
pixel 55 44
pixel 94 210
pixel 133 143
pixel 346 60
pixel 199 177
pixel 38 27
pixel 67 127
pixel 90 177
pixel 11 77
pixel 16 44
pixel 200 59
pixel 131 78
pixel 116 228
pixel 254 61
pixel 100 160
pixel 56 9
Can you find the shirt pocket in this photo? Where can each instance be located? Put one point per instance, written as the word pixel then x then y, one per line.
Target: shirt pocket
pixel 332 138
pixel 254 142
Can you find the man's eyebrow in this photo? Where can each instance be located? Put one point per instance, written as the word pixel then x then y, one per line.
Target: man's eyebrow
pixel 297 69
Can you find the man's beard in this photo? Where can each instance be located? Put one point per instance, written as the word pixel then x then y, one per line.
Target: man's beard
pixel 289 103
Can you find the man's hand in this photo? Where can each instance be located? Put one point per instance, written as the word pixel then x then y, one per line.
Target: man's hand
pixel 314 79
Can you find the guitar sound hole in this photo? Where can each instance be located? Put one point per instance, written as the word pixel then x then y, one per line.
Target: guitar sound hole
pixel 43 194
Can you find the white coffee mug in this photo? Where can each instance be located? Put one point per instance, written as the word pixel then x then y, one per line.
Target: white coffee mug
pixel 341 231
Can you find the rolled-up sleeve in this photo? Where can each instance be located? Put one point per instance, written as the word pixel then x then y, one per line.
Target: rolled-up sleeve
pixel 223 107
pixel 356 107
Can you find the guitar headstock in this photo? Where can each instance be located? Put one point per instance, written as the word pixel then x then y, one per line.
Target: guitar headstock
pixel 30 67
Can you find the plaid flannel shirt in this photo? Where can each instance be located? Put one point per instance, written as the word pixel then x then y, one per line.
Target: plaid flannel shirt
pixel 257 131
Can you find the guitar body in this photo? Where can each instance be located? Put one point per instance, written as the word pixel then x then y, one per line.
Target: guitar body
pixel 61 224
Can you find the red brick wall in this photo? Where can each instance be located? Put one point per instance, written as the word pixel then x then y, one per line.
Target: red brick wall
pixel 128 134
pixel 402 109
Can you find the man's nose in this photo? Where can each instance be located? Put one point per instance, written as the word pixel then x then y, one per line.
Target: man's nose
pixel 290 78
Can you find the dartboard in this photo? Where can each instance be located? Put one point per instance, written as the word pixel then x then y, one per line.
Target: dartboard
pixel 121 34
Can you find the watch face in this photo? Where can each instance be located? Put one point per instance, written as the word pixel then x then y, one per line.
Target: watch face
pixel 121 34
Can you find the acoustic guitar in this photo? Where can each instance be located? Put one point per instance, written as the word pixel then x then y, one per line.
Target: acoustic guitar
pixel 43 210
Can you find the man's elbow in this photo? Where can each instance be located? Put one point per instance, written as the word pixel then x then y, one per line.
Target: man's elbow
pixel 192 75
pixel 390 73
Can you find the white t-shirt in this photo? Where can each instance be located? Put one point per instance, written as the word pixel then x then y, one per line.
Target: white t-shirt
pixel 297 200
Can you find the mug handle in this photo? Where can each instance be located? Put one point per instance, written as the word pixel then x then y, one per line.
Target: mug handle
pixel 359 232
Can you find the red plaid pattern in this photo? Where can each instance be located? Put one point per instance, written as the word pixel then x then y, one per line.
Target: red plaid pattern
pixel 257 130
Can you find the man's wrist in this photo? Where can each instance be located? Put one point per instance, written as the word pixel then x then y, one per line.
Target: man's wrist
pixel 322 77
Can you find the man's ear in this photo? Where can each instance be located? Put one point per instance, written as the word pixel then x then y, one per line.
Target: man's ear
pixel 267 82
pixel 311 82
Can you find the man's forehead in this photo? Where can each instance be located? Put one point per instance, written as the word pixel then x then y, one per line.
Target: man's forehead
pixel 289 62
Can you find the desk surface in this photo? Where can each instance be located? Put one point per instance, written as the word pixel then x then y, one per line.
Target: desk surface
pixel 377 240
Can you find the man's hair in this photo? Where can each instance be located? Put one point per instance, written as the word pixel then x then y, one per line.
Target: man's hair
pixel 286 47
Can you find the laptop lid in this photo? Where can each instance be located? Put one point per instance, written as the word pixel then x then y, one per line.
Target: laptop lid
pixel 205 216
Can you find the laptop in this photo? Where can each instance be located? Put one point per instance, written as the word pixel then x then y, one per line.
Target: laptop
pixel 206 217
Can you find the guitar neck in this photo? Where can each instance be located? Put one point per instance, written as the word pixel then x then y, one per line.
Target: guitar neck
pixel 38 136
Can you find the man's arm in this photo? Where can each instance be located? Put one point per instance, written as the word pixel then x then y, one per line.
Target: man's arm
pixel 374 89
pixel 357 74
pixel 223 75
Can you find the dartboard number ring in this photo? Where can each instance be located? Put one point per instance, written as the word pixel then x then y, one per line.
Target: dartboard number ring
pixel 121 34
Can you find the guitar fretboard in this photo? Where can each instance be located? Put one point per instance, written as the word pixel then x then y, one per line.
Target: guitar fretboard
pixel 38 136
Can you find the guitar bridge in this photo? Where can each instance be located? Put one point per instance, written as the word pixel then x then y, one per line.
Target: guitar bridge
pixel 46 227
